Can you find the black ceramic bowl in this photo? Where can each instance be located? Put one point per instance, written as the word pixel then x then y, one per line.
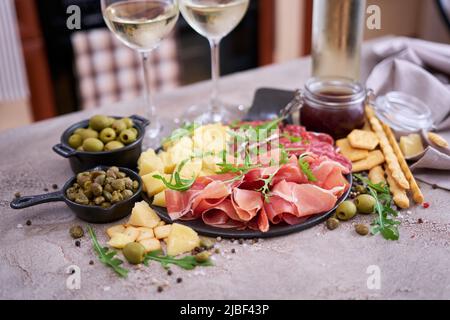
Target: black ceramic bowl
pixel 91 214
pixel 82 161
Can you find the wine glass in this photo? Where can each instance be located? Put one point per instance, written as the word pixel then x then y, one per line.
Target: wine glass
pixel 213 19
pixel 142 25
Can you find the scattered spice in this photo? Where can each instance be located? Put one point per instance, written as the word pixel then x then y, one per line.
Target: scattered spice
pixel 76 232
pixel 179 280
pixel 91 262
pixel 241 241
pixel 420 221
pixel 46 190
pixel 55 186
pixel 169 272
pixel 434 186
pixel 233 250
pixel 362 229
pixel 426 205
pixel 28 223
pixel 332 223
pixel 17 195
pixel 77 243
pixel 160 289
pixel 217 251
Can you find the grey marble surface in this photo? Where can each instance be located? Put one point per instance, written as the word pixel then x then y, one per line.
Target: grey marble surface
pixel 314 264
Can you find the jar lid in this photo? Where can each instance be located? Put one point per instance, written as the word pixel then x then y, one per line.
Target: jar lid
pixel 403 112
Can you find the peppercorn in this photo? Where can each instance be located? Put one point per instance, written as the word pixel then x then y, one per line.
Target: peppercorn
pixel 169 272
pixel 179 280
pixel 160 289
pixel 434 186
pixel 55 186
pixel 241 241
pixel 28 223
pixel 77 243
pixel 17 195
pixel 420 220
pixel 46 190
pixel 233 250
pixel 91 262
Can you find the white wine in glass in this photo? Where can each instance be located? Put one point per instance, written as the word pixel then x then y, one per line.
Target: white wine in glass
pixel 213 19
pixel 142 25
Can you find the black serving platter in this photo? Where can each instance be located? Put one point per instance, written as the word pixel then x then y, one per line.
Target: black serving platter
pixel 274 231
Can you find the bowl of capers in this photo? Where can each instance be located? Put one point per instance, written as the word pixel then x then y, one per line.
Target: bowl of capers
pixel 103 140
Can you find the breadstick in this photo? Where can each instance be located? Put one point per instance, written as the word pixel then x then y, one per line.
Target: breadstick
pixel 389 154
pixel 398 193
pixel 415 190
pixel 376 175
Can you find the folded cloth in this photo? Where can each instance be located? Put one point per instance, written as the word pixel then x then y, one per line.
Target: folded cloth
pixel 421 69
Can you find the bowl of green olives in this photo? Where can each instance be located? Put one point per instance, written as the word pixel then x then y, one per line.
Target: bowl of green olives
pixel 100 195
pixel 103 140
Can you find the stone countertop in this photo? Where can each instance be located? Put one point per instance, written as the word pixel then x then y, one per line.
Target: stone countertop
pixel 314 264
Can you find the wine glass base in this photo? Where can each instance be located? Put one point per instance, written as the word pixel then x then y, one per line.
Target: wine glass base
pixel 204 114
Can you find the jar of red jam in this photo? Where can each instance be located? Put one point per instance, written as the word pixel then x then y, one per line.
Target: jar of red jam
pixel 333 105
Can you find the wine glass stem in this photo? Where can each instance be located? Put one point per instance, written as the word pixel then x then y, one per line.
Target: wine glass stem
pixel 148 98
pixel 215 74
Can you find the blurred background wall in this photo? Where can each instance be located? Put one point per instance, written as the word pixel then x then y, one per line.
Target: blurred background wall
pixel 273 31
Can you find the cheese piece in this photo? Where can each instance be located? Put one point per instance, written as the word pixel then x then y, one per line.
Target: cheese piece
pixel 143 216
pixel 351 153
pixel 411 145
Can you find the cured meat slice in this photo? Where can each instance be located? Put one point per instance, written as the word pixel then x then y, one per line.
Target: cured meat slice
pixel 247 203
pixel 221 216
pixel 277 207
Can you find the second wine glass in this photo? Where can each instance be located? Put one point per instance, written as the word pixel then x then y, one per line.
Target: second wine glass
pixel 213 19
pixel 142 25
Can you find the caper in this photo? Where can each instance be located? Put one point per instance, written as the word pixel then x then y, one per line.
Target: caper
pixel 135 185
pixel 128 182
pixel 100 179
pixel 127 194
pixel 72 193
pixel 75 141
pixel 107 135
pixel 119 126
pixel 99 122
pixel 118 184
pixel 93 145
pixel 346 211
pixel 82 178
pixel 114 145
pixel 362 229
pixel 127 137
pixel 76 232
pixel 129 122
pixel 206 243
pixel 97 189
pixel 110 174
pixel 202 256
pixel 332 223
pixel 121 175
pixel 108 180
pixel 99 200
pixel 108 188
pixel 116 197
pixel 106 205
pixel 107 195
pixel 365 204
pixel 82 199
pixel 134 252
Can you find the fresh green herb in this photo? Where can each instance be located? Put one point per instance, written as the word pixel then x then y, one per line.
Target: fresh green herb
pixel 292 139
pixel 284 158
pixel 304 166
pixel 107 256
pixel 185 131
pixel 385 223
pixel 180 184
pixel 187 263
pixel 265 189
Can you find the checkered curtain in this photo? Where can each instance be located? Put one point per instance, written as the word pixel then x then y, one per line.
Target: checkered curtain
pixel 108 71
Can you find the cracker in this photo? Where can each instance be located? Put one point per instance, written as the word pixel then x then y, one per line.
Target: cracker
pixel 374 159
pixel 351 153
pixel 437 140
pixel 361 139
pixel 376 175
pixel 398 193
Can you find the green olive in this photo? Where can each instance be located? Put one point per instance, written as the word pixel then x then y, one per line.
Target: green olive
pixel 136 132
pixel 114 145
pixel 332 223
pixel 119 126
pixel 75 141
pixel 129 122
pixel 107 135
pixel 127 136
pixel 110 121
pixel 346 211
pixel 134 252
pixel 76 232
pixel 360 189
pixel 88 133
pixel 362 229
pixel 365 204
pixel 78 131
pixel 99 122
pixel 93 145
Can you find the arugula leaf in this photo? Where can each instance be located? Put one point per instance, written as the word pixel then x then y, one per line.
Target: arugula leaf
pixel 180 184
pixel 292 139
pixel 385 223
pixel 107 256
pixel 304 166
pixel 187 263
pixel 265 189
pixel 185 131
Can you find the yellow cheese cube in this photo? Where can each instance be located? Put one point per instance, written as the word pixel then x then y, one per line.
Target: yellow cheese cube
pixel 161 223
pixel 115 229
pixel 162 232
pixel 143 216
pixel 132 233
pixel 181 239
pixel 169 165
pixel 151 245
pixel 191 169
pixel 411 145
pixel 160 199
pixel 150 164
pixel 119 240
pixel 153 185
pixel 145 233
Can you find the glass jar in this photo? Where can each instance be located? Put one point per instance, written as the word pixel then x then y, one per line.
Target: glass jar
pixel 333 105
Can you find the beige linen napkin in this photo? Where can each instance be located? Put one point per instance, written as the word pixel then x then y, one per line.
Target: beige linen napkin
pixel 421 69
